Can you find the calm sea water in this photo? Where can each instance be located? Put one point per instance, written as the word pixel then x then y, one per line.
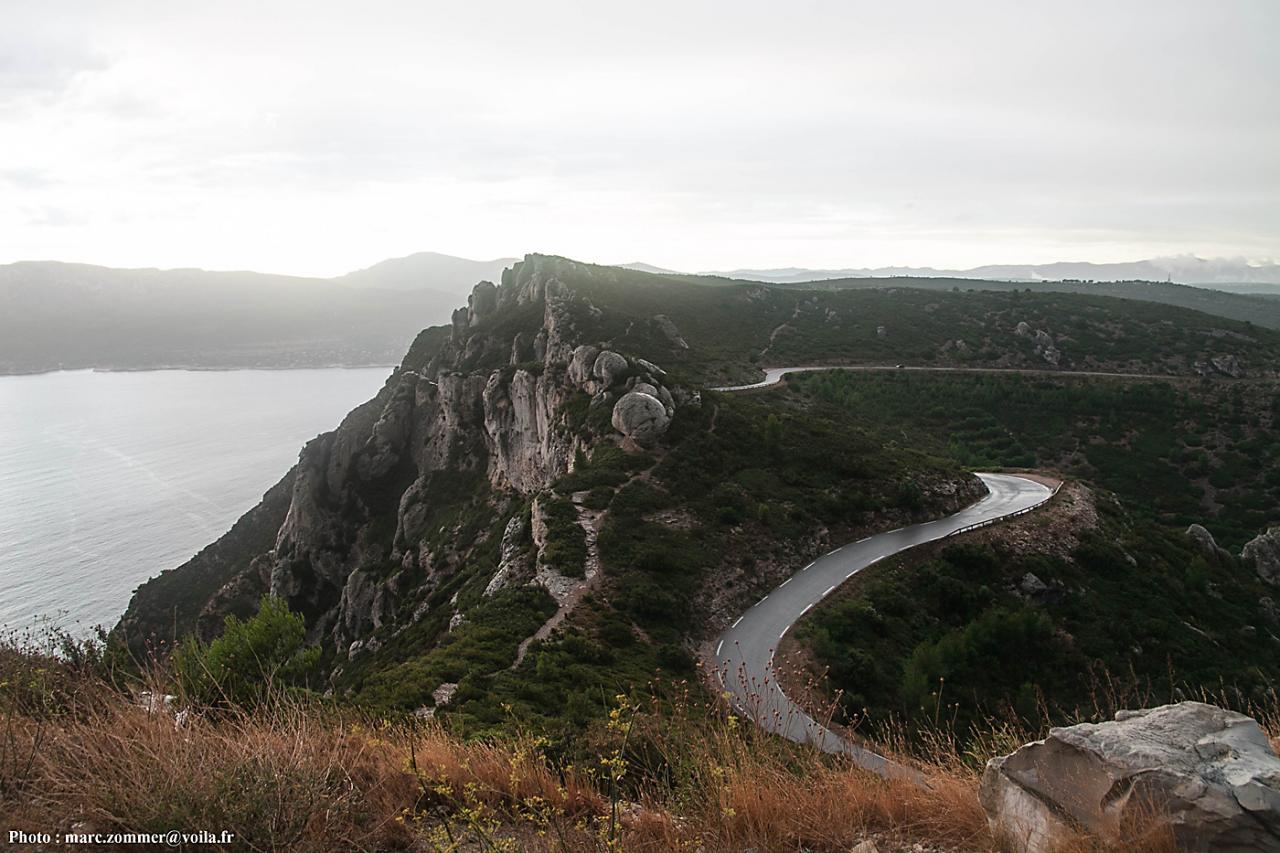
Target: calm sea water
pixel 108 478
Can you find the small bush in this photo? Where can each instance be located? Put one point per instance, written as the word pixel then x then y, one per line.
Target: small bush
pixel 248 660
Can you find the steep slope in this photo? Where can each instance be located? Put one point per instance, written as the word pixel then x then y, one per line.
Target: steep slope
pixel 542 506
pixel 509 467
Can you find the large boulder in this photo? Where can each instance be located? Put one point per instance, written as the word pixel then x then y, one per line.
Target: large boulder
pixel 669 330
pixel 1263 553
pixel 1227 365
pixel 582 364
pixel 641 417
pixel 1206 544
pixel 1211 773
pixel 609 367
pixel 482 303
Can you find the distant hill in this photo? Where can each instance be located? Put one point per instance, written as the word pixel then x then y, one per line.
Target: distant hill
pixel 1232 289
pixel 640 266
pixel 1234 274
pixel 67 316
pixel 428 271
pixel 64 316
pixel 1262 310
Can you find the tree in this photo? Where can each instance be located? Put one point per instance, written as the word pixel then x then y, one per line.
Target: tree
pixel 250 659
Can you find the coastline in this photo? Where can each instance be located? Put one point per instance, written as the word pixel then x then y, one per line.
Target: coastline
pixel 193 368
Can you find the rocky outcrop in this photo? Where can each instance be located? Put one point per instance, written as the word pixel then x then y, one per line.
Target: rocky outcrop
pixel 1263 553
pixel 641 416
pixel 1206 544
pixel 669 331
pixel 1220 365
pixel 513 561
pixel 1046 348
pixel 1227 365
pixel 353 540
pixel 609 368
pixel 1210 773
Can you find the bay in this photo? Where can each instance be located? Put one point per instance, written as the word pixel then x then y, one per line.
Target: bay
pixel 106 479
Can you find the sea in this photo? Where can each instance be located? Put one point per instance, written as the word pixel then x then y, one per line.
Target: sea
pixel 108 478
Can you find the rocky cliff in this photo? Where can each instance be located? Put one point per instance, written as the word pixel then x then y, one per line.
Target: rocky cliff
pixel 485 412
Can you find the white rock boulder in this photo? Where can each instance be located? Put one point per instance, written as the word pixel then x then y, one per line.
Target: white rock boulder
pixel 609 367
pixel 641 417
pixel 1263 553
pixel 582 364
pixel 1209 772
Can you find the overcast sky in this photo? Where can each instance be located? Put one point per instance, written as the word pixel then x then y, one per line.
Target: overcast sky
pixel 317 137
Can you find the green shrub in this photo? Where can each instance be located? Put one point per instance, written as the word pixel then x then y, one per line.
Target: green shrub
pixel 251 658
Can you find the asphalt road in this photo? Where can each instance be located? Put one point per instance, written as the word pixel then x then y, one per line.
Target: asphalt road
pixel 773 375
pixel 744 653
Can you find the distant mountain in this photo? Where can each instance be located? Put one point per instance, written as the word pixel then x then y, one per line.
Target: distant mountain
pixel 640 266
pixel 68 316
pixel 428 271
pixel 64 316
pixel 1237 273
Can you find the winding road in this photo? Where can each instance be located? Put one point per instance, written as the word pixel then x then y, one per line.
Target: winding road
pixel 744 653
pixel 774 375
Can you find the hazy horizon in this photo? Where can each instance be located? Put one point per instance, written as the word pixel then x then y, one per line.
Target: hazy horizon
pixel 314 140
pixel 1174 264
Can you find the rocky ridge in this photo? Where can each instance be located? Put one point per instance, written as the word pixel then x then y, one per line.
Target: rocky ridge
pixel 490 403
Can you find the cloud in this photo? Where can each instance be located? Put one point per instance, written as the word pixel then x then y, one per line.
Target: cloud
pixel 40 68
pixel 310 137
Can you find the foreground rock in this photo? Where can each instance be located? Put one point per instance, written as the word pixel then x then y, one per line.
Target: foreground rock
pixel 1211 772
pixel 1263 552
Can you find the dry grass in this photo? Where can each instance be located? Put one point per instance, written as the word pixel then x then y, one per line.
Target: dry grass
pixel 298 775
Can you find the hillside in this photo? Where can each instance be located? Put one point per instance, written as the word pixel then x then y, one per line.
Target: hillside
pixel 1247 303
pixel 1202 272
pixel 428 271
pixel 545 502
pixel 68 316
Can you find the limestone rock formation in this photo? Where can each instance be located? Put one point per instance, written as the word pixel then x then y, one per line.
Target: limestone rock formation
pixel 1263 553
pixel 1209 772
pixel 513 562
pixel 1227 365
pixel 641 417
pixel 669 331
pixel 1206 544
pixel 1046 348
pixel 609 367
pixel 351 539
pixel 582 364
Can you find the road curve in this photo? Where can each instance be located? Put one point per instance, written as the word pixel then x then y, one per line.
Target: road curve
pixel 744 653
pixel 774 375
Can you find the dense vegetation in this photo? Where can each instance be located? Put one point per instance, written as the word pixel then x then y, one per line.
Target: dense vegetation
pixel 1257 308
pixel 1181 453
pixel 726 326
pixel 744 481
pixel 959 631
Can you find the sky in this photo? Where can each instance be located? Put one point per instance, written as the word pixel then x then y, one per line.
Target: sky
pixel 318 137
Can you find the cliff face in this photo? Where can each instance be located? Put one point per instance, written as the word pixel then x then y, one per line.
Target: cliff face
pixel 356 539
